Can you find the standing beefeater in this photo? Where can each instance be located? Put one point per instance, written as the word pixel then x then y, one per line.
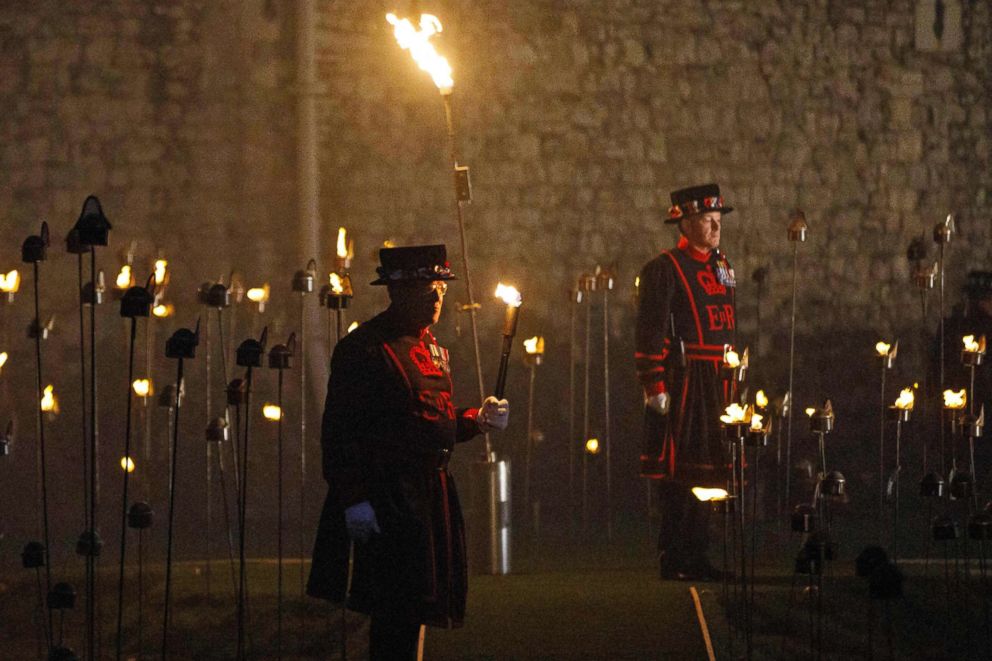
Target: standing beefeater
pixel 388 430
pixel 685 319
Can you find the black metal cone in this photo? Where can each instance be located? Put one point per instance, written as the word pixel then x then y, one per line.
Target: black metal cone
pixel 36 329
pixel 945 529
pixel 834 484
pixel 62 596
pixel 803 518
pixel 182 344
pixel 4 447
pixel 885 582
pixel 33 555
pixel 140 516
pixel 93 295
pixel 932 485
pixel 280 357
pixel 34 249
pixel 980 526
pixel 303 280
pixel 962 486
pixel 217 430
pixel 218 296
pixel 167 398
pixel 92 225
pixel 136 302
pixel 88 545
pixel 250 352
pixel 62 653
pixel 73 245
pixel 808 561
pixel 869 559
pixel 237 392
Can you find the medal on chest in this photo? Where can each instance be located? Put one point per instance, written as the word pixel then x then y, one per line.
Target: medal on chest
pixel 724 273
pixel 439 357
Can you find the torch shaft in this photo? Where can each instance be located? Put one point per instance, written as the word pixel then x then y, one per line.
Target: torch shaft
pixel 172 511
pixel 42 459
pixel 792 369
pixel 93 486
pixel 940 298
pixel 504 361
pixel 881 444
pixel 124 492
pixel 279 525
pixel 606 413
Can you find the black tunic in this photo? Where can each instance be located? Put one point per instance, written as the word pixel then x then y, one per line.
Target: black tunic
pixel 389 427
pixel 685 297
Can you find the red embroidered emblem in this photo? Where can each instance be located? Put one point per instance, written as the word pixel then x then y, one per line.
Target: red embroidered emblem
pixel 422 359
pixel 709 283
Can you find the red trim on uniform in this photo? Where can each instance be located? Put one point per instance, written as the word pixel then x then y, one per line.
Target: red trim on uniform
pixel 713 347
pixel 688 291
pixel 651 356
pixel 697 255
pixel 399 365
pixel 655 388
pixel 696 356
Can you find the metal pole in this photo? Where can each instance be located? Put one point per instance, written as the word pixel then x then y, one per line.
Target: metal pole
pixel 529 448
pixel 585 420
pixel 606 412
pixel 209 459
pixel 279 527
pixel 571 411
pixel 941 351
pixel 792 363
pixel 94 476
pixel 127 475
pixel 42 458
pixel 172 511
pixel 881 448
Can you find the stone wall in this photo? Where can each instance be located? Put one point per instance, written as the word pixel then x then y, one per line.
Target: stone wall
pixel 577 118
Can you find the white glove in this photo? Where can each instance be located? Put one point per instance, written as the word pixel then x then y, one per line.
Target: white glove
pixel 360 521
pixel 493 414
pixel 658 403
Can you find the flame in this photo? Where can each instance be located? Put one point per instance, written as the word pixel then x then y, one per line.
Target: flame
pixel 882 349
pixel 3 359
pixel 534 345
pixel 163 310
pixel 161 266
pixel 906 399
pixel 637 283
pixel 127 463
pixel 735 414
pixel 810 411
pixel 342 248
pixel 10 283
pixel 337 286
pixel 258 294
pixel 418 43
pixel 731 359
pixel 124 278
pixel 509 294
pixel 761 399
pixel 271 412
pixel 971 345
pixel 955 400
pixel 756 419
pixel 142 387
pixel 592 446
pixel 705 494
pixel 50 403
pixel 353 326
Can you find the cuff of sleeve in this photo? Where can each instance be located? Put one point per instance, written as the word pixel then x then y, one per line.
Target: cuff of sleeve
pixel 656 388
pixel 353 496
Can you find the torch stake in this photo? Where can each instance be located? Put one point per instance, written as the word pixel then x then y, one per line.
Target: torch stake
pixel 303 462
pixel 141 591
pixel 279 531
pixel 895 508
pixel 571 419
pixel 235 450
pixel 94 475
pixel 209 464
pixel 530 446
pixel 585 420
pixel 127 476
pixel 43 462
pixel 606 412
pixel 940 297
pixel 242 576
pixel 792 364
pixel 881 447
pixel 172 510
pixel 85 436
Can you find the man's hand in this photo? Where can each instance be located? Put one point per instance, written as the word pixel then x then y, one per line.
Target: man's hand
pixel 658 403
pixel 360 521
pixel 493 414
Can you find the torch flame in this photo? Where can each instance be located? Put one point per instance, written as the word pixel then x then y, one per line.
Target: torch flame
pixel 3 358
pixel 124 278
pixel 731 359
pixel 761 399
pixel 534 345
pixel 735 414
pixel 142 387
pixel 882 348
pixel 906 399
pixel 258 294
pixel 592 446
pixel 509 294
pixel 353 326
pixel 418 43
pixel 127 463
pixel 342 248
pixel 161 271
pixel 163 310
pixel 955 400
pixel 756 419
pixel 49 403
pixel 810 411
pixel 705 494
pixel 971 345
pixel 271 412
pixel 337 286
pixel 10 283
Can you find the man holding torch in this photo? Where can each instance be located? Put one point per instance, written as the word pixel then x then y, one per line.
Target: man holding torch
pixel 388 431
pixel 685 318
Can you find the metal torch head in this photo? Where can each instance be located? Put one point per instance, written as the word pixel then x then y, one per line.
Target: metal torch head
pixel 140 516
pixel 183 343
pixel 945 529
pixel 33 555
pixel 798 228
pixel 73 245
pixel 62 597
pixel 39 330
pixel 980 526
pixel 251 351
pixel 304 279
pixel 962 486
pixel 137 302
pixel 943 231
pixel 237 392
pixel 803 518
pixel 281 355
pixel 35 247
pixel 218 296
pixel 89 544
pixel 217 430
pixel 932 485
pixel 92 225
pixel 93 295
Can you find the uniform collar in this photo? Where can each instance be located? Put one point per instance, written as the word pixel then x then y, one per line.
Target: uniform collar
pixel 692 252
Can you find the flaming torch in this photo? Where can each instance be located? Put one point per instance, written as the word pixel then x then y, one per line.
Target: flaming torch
pixel 887 353
pixel 796 233
pixel 900 411
pixel 534 356
pixel 10 283
pixel 513 300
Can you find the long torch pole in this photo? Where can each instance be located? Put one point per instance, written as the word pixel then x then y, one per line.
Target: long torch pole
pixel 172 510
pixel 127 475
pixel 43 461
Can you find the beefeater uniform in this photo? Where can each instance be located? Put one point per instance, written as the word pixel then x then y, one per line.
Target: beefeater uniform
pixel 388 429
pixel 686 318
